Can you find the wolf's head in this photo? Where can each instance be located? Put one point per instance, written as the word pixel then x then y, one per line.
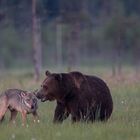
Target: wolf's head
pixel 30 101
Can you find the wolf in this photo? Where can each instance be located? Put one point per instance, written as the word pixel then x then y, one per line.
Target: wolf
pixel 17 100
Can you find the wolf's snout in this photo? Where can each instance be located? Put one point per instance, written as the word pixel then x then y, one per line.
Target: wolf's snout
pixel 32 107
pixel 38 95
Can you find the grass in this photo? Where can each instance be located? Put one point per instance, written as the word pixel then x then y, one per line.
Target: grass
pixel 124 123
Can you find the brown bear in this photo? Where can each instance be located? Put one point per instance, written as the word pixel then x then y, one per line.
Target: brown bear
pixel 84 97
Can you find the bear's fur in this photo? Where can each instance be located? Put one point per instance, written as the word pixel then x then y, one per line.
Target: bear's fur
pixel 86 98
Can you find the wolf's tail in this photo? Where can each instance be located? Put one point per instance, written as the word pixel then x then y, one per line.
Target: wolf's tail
pixel 3 106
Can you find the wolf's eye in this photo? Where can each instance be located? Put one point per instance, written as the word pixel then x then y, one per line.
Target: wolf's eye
pixel 28 100
pixel 34 100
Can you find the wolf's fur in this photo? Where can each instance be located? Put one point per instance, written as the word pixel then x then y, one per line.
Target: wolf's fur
pixel 17 100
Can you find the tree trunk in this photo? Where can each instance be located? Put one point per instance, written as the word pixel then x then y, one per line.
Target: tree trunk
pixel 119 56
pixel 70 54
pixel 59 45
pixel 136 59
pixel 74 45
pixel 113 66
pixel 77 29
pixel 36 42
pixel 1 16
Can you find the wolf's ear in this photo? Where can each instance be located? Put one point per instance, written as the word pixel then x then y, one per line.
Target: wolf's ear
pixel 35 92
pixel 47 73
pixel 23 94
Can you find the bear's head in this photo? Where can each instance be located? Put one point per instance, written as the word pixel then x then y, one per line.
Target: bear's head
pixel 50 87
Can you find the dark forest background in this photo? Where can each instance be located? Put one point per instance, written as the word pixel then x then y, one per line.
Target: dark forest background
pixel 56 33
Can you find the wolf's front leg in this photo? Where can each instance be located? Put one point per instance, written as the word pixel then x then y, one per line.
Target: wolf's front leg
pixel 24 116
pixel 13 116
pixel 2 113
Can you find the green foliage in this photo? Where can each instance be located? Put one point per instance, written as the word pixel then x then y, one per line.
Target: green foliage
pixel 13 47
pixel 133 32
pixel 101 25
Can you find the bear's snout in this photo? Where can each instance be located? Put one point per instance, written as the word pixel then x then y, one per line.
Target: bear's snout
pixel 41 96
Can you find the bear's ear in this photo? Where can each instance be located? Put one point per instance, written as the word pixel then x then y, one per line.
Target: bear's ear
pixel 47 73
pixel 58 77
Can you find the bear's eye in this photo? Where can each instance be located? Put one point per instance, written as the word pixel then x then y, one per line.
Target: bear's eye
pixel 45 87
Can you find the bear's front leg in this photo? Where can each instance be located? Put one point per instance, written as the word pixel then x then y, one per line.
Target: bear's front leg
pixel 76 114
pixel 60 113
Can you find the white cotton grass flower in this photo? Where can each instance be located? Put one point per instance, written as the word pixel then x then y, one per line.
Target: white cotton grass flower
pixel 122 102
pixel 22 124
pixel 133 124
pixel 13 136
pixel 36 121
pixel 14 122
